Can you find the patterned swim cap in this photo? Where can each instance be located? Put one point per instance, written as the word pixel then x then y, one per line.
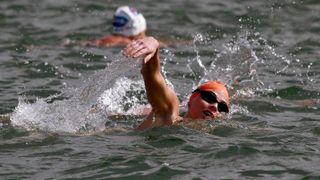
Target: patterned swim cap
pixel 128 21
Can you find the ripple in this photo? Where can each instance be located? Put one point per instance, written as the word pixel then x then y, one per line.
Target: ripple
pixel 231 151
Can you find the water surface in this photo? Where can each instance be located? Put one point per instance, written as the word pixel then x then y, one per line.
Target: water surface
pixel 265 51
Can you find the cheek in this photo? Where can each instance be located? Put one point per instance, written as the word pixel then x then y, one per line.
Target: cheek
pixel 197 105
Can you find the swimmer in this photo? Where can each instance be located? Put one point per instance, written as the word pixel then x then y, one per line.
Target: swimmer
pixel 128 25
pixel 210 100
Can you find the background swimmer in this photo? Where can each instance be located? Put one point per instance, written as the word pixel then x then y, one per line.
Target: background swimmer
pixel 128 25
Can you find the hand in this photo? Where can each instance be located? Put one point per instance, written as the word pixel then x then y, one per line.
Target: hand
pixel 147 46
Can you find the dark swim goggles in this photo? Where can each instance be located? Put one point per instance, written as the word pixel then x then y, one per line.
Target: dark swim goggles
pixel 119 21
pixel 211 97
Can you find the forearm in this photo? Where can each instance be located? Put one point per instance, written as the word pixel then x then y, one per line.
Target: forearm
pixel 154 81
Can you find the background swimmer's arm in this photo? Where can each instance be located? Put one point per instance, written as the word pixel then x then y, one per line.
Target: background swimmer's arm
pixel 164 101
pixel 88 43
pixel 110 40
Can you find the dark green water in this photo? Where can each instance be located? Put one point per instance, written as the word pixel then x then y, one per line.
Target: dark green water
pixel 270 48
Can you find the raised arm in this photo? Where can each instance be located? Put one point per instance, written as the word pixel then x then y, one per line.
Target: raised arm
pixel 163 100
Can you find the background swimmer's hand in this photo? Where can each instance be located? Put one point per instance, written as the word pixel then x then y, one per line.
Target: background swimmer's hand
pixel 147 46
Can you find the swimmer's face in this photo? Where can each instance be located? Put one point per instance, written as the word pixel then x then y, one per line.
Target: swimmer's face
pixel 208 104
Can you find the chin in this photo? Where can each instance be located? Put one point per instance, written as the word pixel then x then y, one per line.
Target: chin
pixel 212 117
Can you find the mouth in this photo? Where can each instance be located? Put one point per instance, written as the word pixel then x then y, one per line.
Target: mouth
pixel 207 114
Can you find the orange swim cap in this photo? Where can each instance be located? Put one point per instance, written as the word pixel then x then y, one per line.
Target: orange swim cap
pixel 213 86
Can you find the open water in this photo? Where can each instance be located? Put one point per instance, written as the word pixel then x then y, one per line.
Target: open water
pixel 56 96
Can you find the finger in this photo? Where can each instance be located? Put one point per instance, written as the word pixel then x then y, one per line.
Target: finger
pixel 131 47
pixel 136 50
pixel 127 50
pixel 131 44
pixel 134 44
pixel 140 52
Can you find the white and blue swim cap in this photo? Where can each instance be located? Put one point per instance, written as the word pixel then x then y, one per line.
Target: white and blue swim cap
pixel 128 21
